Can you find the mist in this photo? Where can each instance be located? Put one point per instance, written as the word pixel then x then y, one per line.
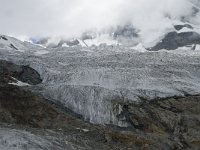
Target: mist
pixel 70 18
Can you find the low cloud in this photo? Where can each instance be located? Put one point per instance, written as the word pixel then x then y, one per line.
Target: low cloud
pixel 67 18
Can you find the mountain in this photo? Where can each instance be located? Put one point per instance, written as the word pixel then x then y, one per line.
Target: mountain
pixel 180 35
pixel 184 35
pixel 120 92
pixel 10 43
pixel 119 88
pixel 172 33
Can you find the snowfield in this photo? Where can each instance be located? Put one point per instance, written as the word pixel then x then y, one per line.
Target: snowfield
pixel 92 81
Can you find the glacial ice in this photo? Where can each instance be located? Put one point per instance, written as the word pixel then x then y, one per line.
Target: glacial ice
pixel 93 81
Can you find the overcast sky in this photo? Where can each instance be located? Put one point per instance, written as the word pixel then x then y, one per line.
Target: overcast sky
pixel 67 18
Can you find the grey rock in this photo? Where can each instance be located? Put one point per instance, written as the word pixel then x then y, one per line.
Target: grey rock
pixel 174 40
pixel 22 73
pixel 179 27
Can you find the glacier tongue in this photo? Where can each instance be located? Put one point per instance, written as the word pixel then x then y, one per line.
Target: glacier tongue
pixel 94 81
pixel 94 103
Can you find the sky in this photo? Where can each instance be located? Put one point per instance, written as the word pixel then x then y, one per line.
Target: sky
pixel 70 18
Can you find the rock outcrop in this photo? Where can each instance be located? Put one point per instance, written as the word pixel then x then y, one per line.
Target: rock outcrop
pixel 22 73
pixel 174 40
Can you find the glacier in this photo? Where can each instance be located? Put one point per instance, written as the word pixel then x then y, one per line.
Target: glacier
pixel 95 81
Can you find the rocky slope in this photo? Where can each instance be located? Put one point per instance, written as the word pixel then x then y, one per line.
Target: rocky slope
pixel 174 121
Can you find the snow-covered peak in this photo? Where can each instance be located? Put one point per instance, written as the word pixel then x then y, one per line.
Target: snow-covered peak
pixel 11 43
pixel 129 36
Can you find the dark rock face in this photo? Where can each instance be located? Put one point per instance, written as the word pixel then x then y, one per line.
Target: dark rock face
pixel 29 75
pixel 174 40
pixel 22 73
pixel 13 47
pixel 23 107
pixel 4 38
pixel 179 27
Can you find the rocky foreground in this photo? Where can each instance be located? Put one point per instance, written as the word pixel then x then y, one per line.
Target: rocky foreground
pixel 29 121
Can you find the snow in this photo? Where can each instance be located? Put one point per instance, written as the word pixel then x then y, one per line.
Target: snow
pixel 40 45
pixel 65 45
pixel 197 48
pixel 18 83
pixel 6 44
pixel 139 48
pixel 41 52
pixel 84 130
pixel 185 29
pixel 82 43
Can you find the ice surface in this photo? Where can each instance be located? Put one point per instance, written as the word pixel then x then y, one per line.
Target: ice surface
pixel 197 47
pixel 41 52
pixel 92 81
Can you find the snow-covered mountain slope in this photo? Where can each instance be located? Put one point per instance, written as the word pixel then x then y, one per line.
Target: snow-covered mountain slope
pixel 177 34
pixel 166 29
pixel 183 35
pixel 11 43
pixel 92 81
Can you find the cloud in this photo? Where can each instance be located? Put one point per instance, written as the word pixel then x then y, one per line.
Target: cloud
pixel 68 18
